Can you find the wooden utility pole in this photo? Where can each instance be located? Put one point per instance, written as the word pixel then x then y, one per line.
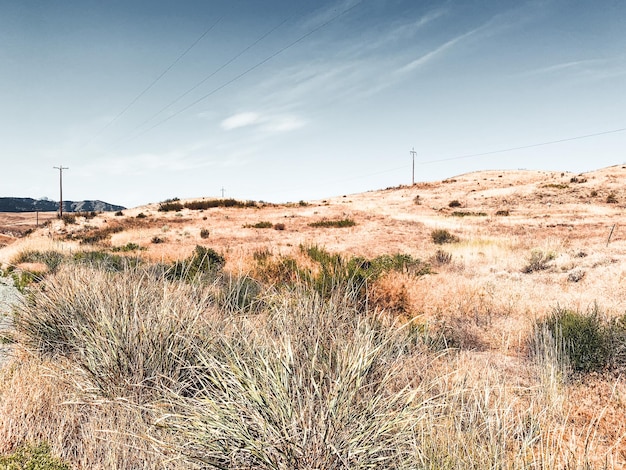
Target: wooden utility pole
pixel 413 153
pixel 60 168
pixel 223 192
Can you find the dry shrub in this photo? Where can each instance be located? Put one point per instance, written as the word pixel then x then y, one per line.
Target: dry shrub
pixel 390 294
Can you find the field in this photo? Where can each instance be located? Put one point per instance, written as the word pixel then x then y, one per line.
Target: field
pixel 476 322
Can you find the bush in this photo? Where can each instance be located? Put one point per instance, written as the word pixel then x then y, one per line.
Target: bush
pixel 103 260
pixel 170 207
pixel 32 457
pixel 279 226
pixel 69 219
pixel 538 261
pixel 334 223
pixel 263 224
pixel 454 203
pixel 141 215
pixel 119 214
pixel 52 259
pixel 468 214
pixel 441 258
pixel 156 240
pixel 611 199
pixel 584 338
pixel 442 236
pixel 204 233
pixel 203 261
pixel 503 213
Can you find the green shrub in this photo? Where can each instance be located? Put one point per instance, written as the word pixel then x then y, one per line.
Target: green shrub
pixel 503 213
pixel 204 233
pixel 32 457
pixel 119 214
pixel 212 203
pixel 103 260
pixel 156 240
pixel 52 259
pixel 442 236
pixel 538 261
pixel 263 224
pixel 468 214
pixel 584 338
pixel 454 203
pixel 279 226
pixel 141 215
pixel 203 261
pixel 130 246
pixel 611 198
pixel 334 223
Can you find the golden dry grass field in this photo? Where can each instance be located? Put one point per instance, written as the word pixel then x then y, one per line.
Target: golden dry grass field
pixel 480 296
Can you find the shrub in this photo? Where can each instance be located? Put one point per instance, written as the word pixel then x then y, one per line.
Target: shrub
pixel 468 214
pixel 141 215
pixel 52 259
pixel 584 338
pixel 103 260
pixel 454 203
pixel 69 219
pixel 204 233
pixel 203 261
pixel 119 214
pixel 130 246
pixel 263 224
pixel 334 223
pixel 32 457
pixel 442 236
pixel 611 198
pixel 538 261
pixel 211 203
pixel 170 207
pixel 441 258
pixel 279 226
pixel 156 240
pixel 503 213
pixel 593 193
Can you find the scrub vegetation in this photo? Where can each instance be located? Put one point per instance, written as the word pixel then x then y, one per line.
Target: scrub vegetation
pixel 368 348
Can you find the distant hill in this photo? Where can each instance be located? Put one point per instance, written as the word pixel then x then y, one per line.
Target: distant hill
pixel 26 204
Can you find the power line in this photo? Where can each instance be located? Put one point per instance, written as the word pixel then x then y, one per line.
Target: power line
pixel 247 71
pixel 522 147
pixel 155 81
pixel 219 69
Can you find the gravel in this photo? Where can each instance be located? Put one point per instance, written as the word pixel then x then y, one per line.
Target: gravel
pixel 9 295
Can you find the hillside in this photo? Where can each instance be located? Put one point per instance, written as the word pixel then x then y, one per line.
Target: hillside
pixel 25 204
pixel 467 269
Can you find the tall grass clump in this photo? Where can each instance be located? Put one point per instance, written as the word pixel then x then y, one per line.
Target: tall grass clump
pixel 312 386
pixel 125 332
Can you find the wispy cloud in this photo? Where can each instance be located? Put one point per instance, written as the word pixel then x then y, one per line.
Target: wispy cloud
pixel 240 120
pixel 436 52
pixel 268 122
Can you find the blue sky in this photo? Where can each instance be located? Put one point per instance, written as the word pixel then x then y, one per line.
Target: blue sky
pixel 287 100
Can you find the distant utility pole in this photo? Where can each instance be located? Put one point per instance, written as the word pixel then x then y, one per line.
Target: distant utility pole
pixel 60 168
pixel 413 153
pixel 223 192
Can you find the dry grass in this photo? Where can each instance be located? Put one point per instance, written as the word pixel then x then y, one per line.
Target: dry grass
pixel 433 371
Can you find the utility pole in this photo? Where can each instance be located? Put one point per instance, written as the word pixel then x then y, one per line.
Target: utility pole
pixel 413 153
pixel 60 168
pixel 223 192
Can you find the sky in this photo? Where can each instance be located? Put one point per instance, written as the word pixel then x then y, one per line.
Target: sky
pixel 288 100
